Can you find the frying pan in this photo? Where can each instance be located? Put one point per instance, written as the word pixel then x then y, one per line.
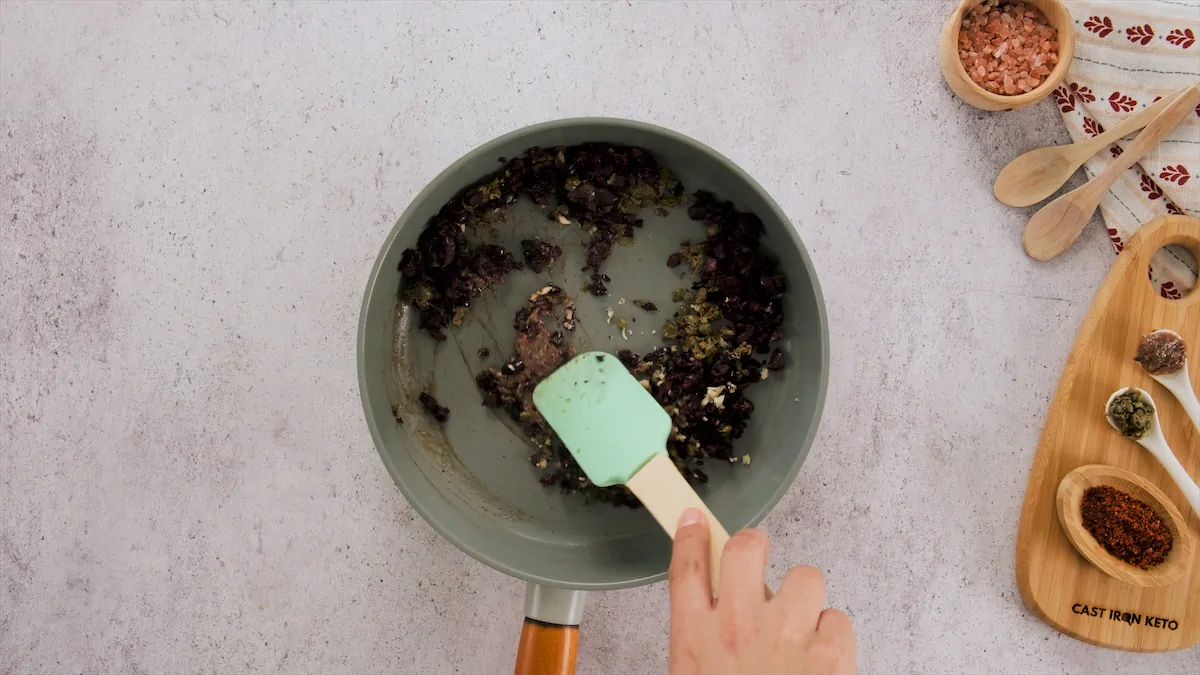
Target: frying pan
pixel 470 477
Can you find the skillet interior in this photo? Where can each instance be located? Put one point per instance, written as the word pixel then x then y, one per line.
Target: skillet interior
pixel 470 477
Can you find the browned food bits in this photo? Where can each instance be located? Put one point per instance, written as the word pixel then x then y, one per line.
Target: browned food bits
pixel 1125 526
pixel 599 186
pixel 431 406
pixel 732 312
pixel 537 352
pixel 1007 48
pixel 1161 352
pixel 646 305
pixel 539 254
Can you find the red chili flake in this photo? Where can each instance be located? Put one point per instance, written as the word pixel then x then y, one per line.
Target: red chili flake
pixel 1125 526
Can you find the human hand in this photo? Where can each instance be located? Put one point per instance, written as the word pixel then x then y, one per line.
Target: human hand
pixel 742 631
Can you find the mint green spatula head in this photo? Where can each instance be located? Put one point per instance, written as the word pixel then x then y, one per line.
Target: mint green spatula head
pixel 604 416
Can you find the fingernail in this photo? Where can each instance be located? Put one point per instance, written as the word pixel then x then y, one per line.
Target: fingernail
pixel 691 517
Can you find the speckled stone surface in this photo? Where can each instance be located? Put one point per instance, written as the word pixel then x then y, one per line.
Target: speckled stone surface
pixel 193 194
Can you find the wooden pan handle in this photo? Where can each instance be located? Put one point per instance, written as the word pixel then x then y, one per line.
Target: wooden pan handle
pixel 546 649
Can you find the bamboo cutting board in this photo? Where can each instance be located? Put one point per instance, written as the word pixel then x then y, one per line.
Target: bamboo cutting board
pixel 1060 585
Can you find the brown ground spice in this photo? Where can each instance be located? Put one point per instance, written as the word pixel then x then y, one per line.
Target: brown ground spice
pixel 1161 352
pixel 1125 526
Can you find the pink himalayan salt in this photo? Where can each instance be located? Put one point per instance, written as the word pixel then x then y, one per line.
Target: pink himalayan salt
pixel 1007 48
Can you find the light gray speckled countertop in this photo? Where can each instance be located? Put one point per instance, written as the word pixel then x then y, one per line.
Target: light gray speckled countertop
pixel 192 196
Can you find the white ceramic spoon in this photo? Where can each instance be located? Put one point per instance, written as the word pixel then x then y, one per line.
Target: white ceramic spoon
pixel 1156 443
pixel 1180 384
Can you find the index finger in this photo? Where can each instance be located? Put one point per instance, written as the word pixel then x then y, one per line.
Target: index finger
pixel 688 576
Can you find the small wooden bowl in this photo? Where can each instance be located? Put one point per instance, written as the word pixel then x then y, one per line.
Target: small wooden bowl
pixel 1070 493
pixel 962 85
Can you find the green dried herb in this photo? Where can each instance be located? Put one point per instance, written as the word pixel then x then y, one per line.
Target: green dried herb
pixel 491 216
pixel 644 193
pixel 420 295
pixel 640 194
pixel 696 326
pixel 694 254
pixel 1132 415
pixel 481 195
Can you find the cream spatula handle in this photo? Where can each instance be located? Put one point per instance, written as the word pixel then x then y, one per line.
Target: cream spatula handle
pixel 666 495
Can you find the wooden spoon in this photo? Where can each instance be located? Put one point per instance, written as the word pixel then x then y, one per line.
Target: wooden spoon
pixel 1037 174
pixel 1057 225
pixel 1067 501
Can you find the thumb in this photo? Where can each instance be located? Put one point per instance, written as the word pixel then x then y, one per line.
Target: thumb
pixel 687 577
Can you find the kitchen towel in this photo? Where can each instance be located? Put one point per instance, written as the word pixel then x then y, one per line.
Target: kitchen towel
pixel 1128 55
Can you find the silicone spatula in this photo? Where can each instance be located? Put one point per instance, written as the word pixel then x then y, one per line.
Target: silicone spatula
pixel 618 433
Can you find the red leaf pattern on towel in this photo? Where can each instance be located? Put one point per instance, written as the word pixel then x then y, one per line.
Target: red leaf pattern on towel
pixel 1065 99
pixel 1150 188
pixel 1143 34
pixel 1101 26
pixel 1182 38
pixel 1177 174
pixel 1115 238
pixel 1120 102
pixel 1169 172
pixel 1083 93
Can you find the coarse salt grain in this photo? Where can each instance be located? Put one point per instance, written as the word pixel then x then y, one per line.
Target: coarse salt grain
pixel 1008 48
